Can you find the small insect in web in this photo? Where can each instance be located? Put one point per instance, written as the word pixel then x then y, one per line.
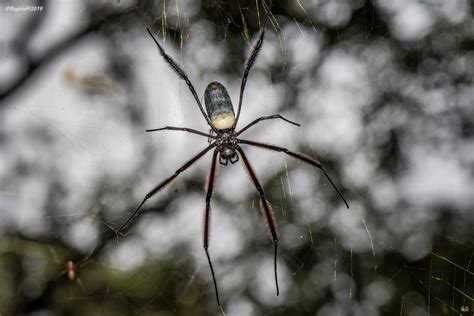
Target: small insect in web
pixel 225 141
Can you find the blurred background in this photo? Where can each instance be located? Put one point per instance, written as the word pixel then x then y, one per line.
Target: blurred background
pixel 384 94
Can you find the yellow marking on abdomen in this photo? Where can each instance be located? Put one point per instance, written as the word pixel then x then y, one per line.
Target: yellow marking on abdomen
pixel 223 121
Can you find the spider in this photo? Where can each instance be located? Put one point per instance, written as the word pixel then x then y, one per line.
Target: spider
pixel 225 141
pixel 72 268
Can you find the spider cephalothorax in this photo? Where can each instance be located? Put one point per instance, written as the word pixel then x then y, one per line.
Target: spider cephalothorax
pixel 226 145
pixel 223 137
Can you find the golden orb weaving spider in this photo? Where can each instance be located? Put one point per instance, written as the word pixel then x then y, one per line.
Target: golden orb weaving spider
pixel 222 121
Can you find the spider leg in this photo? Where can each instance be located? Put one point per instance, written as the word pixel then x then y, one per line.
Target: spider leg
pixel 180 72
pixel 87 259
pixel 207 218
pixel 185 129
pixel 263 118
pixel 164 183
pixel 250 61
pixel 301 157
pixel 265 208
pixel 211 136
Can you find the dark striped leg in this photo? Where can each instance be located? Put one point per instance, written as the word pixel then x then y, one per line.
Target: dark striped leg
pixel 184 129
pixel 249 63
pixel 265 208
pixel 180 72
pixel 263 118
pixel 300 157
pixel 164 184
pixel 207 217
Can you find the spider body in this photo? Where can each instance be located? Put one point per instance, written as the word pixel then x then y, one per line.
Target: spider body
pixel 226 142
pixel 71 270
pixel 222 117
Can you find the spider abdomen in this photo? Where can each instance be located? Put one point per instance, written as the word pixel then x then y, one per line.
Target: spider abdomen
pixel 219 106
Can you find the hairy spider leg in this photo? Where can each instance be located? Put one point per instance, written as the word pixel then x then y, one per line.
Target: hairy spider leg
pixel 81 263
pixel 210 136
pixel 185 129
pixel 249 63
pixel 263 118
pixel 266 210
pixel 166 182
pixel 180 72
pixel 207 217
pixel 300 157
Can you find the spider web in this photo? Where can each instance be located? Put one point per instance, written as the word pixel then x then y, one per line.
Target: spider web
pixel 383 91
